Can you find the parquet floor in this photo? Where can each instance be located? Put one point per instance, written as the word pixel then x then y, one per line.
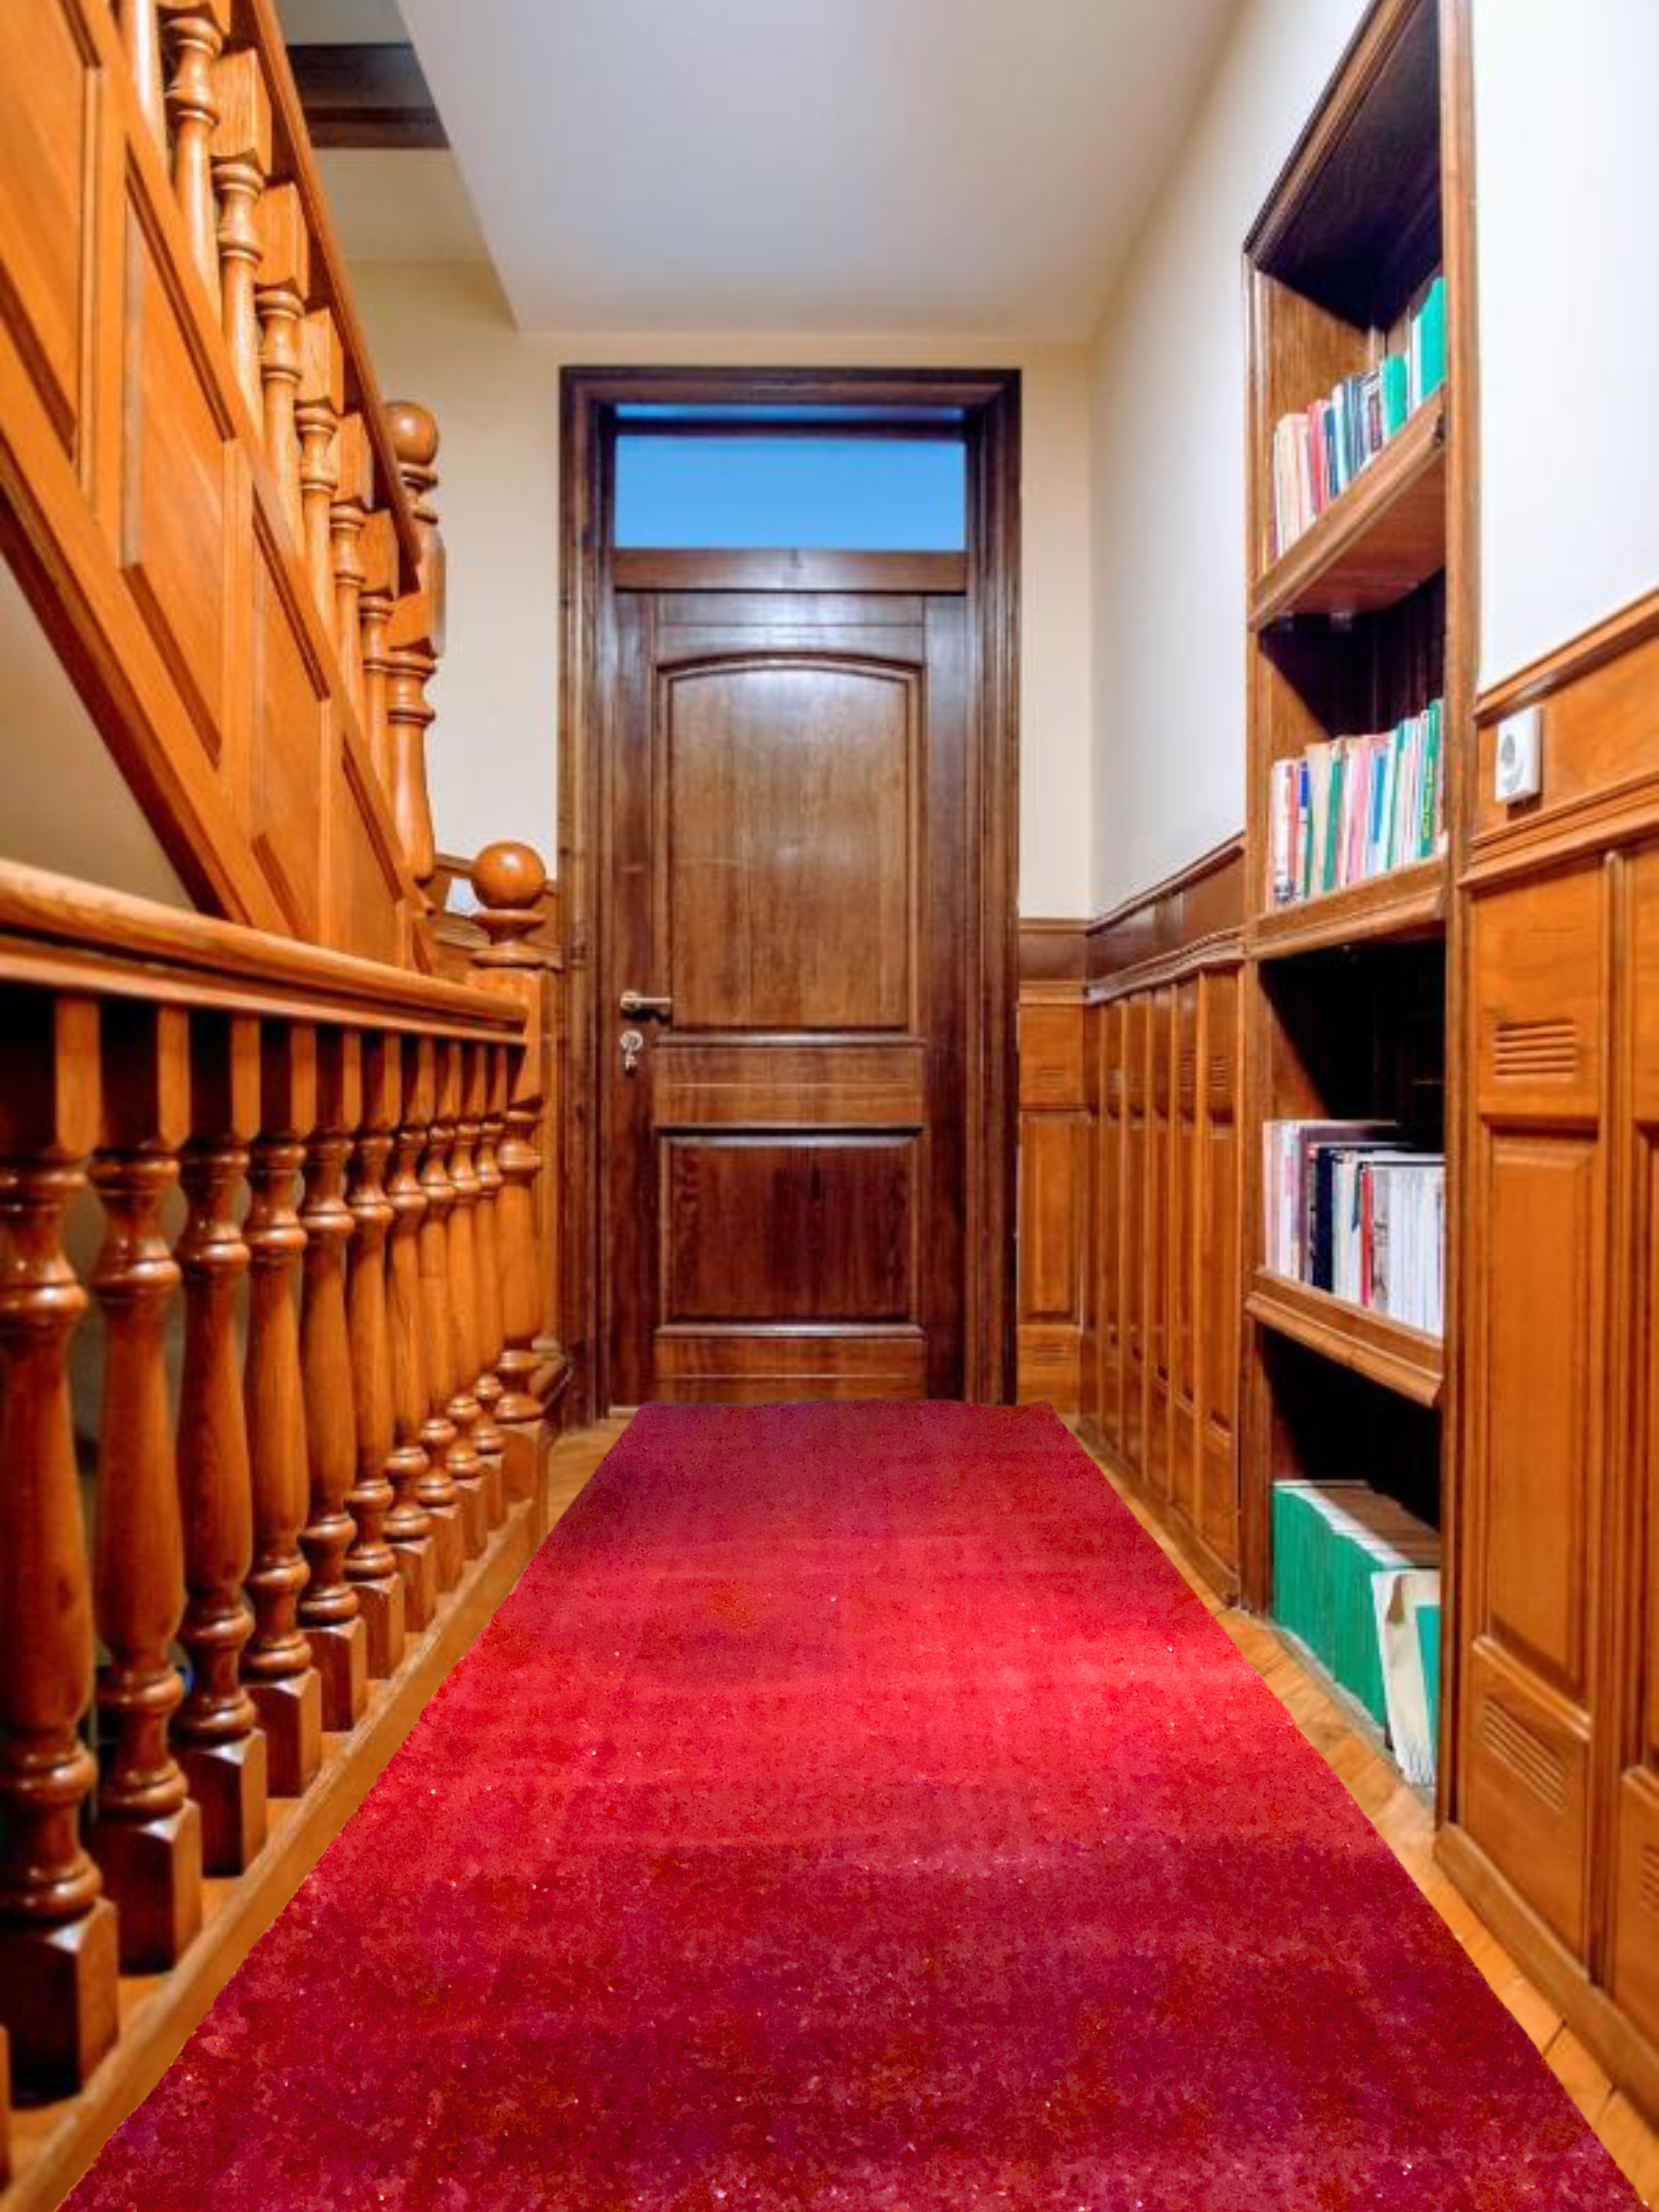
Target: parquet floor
pixel 1397 1812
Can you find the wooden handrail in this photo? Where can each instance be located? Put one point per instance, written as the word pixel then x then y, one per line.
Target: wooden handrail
pixel 355 1297
pixel 56 929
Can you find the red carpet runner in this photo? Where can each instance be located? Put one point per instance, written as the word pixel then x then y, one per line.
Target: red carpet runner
pixel 851 1808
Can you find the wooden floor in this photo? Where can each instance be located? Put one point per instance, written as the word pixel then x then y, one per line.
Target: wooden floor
pixel 1397 1812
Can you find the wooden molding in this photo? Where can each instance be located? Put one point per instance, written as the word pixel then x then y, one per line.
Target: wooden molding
pixel 785 568
pixel 1192 918
pixel 366 95
pixel 1576 657
pixel 1052 951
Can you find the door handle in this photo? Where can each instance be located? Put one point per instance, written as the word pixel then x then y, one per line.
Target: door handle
pixel 636 1006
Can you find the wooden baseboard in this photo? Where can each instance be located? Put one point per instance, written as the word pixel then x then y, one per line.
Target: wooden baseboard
pixel 1204 1561
pixel 52 2146
pixel 1619 2047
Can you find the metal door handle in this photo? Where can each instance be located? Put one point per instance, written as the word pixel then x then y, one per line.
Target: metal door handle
pixel 637 1007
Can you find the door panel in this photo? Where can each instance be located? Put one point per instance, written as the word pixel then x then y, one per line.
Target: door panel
pixel 1537 1388
pixel 789 872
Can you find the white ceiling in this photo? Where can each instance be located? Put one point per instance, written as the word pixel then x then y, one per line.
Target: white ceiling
pixel 862 167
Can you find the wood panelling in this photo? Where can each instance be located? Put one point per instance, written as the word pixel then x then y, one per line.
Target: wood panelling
pixel 1138 1225
pixel 155 260
pixel 1554 1819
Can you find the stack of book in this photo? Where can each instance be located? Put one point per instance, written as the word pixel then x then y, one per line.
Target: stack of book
pixel 1353 808
pixel 1356 1580
pixel 1319 451
pixel 1351 1211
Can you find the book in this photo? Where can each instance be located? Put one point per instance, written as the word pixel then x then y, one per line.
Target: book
pixel 1351 1210
pixel 1351 808
pixel 1317 452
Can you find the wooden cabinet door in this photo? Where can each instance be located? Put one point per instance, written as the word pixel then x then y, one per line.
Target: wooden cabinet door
pixel 1184 1204
pixel 1158 1256
pixel 789 880
pixel 1634 1950
pixel 1137 1118
pixel 1217 1257
pixel 1533 1471
pixel 1111 1022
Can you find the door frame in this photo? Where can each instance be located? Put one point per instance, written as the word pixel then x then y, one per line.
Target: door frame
pixel 990 403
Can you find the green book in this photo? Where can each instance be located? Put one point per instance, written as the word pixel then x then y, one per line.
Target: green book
pixel 1430 320
pixel 1332 821
pixel 1431 808
pixel 1428 1644
pixel 1396 393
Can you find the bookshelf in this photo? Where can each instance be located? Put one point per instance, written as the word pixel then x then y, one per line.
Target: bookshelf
pixel 1353 626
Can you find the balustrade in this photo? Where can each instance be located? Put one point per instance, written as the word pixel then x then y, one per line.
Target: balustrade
pixel 293 1506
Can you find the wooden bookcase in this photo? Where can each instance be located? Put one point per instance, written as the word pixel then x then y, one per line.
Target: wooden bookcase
pixel 1360 621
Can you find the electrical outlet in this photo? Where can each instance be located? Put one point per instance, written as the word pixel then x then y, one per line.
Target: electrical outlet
pixel 1519 767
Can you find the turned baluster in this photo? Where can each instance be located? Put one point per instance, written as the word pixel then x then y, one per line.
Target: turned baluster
pixel 284 277
pixel 276 1664
pixel 465 1409
pixel 58 1934
pixel 322 395
pixel 370 1564
pixel 329 1609
pixel 413 1524
pixel 492 1122
pixel 509 881
pixel 147 1835
pixel 197 30
pixel 241 162
pixel 417 636
pixel 221 1745
pixel 447 1442
pixel 140 35
pixel 374 606
pixel 348 518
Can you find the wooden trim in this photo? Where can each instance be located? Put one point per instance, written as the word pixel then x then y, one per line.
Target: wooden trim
pixel 366 95
pixel 1401 1359
pixel 1203 901
pixel 675 569
pixel 54 930
pixel 1403 903
pixel 161 2012
pixel 1617 633
pixel 990 400
pixel 1052 951
pixel 1225 950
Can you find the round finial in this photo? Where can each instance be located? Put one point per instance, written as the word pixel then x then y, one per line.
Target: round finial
pixel 414 431
pixel 509 875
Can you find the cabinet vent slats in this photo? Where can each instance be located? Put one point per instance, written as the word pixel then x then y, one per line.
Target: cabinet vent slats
pixel 1528 1755
pixel 1525 1051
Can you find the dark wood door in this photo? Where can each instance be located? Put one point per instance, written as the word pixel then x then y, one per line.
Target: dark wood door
pixel 789 870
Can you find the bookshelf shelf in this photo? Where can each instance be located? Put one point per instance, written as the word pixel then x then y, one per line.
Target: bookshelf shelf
pixel 1405 904
pixel 1385 1351
pixel 1357 631
pixel 1377 543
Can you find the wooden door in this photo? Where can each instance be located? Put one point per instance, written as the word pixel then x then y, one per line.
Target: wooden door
pixel 789 872
pixel 1537 1407
pixel 1635 1941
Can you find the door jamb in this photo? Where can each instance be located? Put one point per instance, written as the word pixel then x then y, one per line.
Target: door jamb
pixel 990 401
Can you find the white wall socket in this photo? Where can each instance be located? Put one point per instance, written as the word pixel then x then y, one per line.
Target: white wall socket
pixel 1519 770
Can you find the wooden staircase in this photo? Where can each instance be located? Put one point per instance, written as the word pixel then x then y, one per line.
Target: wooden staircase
pixel 275 1379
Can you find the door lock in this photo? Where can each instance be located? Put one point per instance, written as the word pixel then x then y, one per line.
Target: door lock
pixel 633 1047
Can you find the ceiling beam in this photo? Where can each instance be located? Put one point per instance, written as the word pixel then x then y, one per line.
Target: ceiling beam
pixel 366 95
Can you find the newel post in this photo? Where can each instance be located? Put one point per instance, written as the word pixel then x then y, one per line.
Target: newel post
pixel 510 882
pixel 416 636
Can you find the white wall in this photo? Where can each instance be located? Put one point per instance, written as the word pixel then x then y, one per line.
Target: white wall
pixel 441 333
pixel 1567 184
pixel 1168 461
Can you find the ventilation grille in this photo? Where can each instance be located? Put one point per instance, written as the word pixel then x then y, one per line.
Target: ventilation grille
pixel 1525 1051
pixel 1526 1753
pixel 1648 1883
